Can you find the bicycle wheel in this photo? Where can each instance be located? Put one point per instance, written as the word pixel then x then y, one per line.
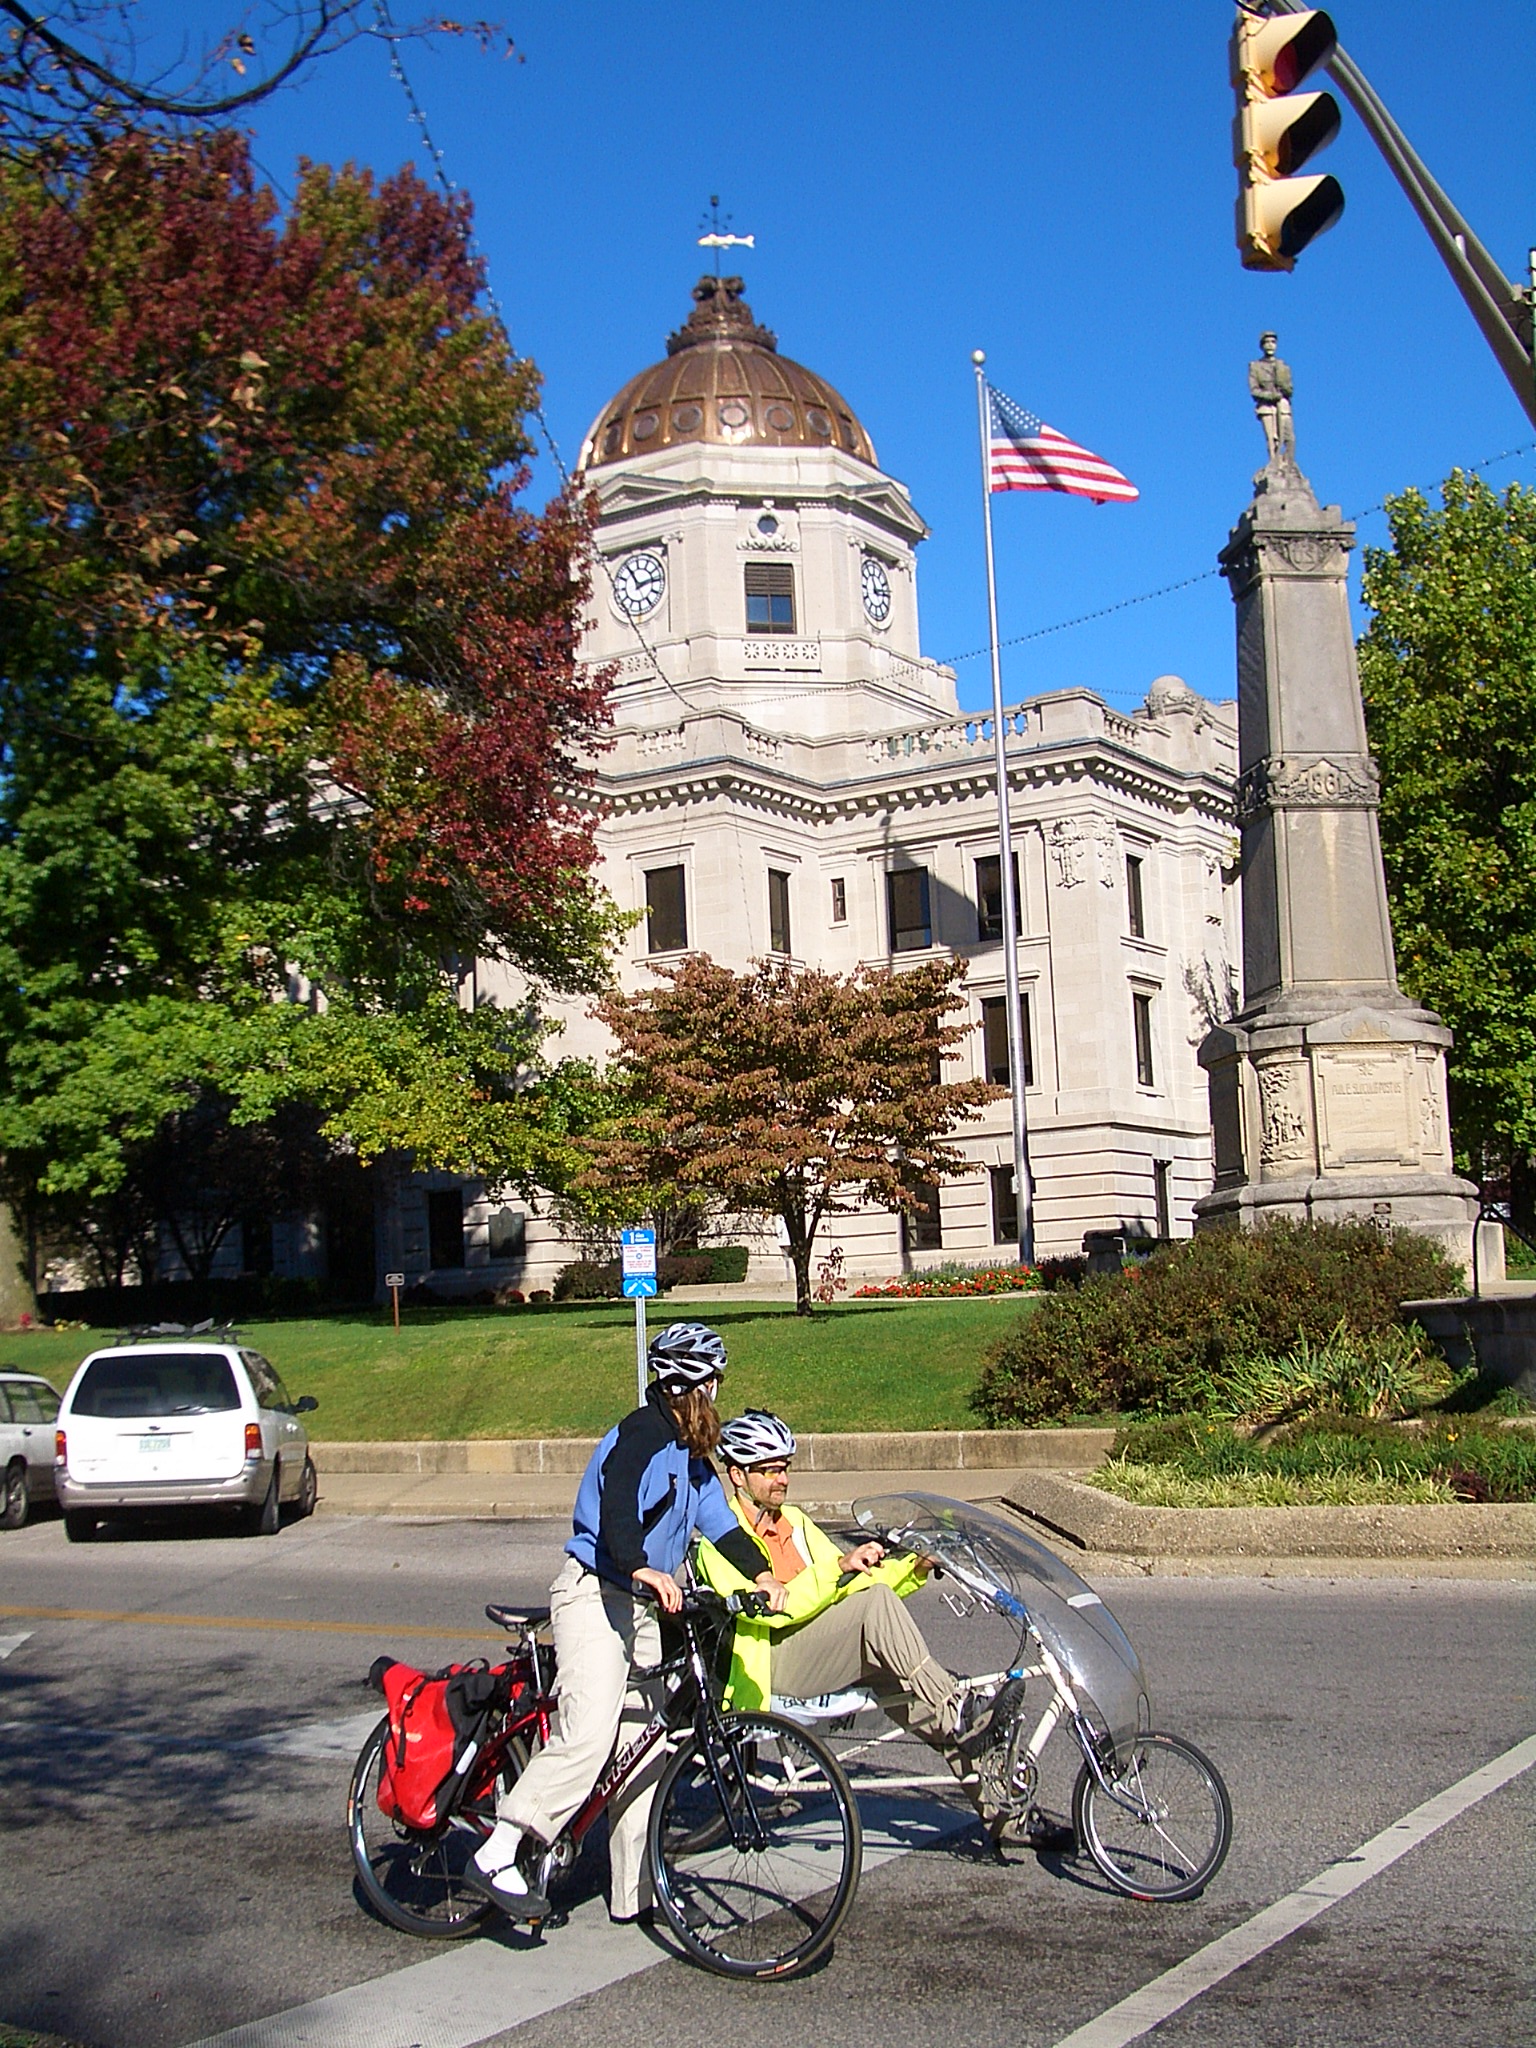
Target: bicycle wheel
pixel 415 1880
pixel 1163 1829
pixel 755 1883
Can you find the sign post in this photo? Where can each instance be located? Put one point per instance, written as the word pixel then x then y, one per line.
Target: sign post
pixel 394 1282
pixel 637 1266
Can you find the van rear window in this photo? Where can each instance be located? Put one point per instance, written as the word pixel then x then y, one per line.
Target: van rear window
pixel 169 1383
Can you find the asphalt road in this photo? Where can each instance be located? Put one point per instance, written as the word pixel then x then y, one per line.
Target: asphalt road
pixel 173 1865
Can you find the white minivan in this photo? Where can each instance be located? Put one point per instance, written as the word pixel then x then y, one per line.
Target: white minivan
pixel 181 1423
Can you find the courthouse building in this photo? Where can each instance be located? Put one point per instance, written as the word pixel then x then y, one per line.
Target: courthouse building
pixel 792 777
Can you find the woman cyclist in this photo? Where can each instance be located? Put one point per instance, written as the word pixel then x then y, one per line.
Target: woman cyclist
pixel 647 1487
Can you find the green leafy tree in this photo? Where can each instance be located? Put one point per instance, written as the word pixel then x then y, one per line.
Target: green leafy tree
pixel 783 1092
pixel 290 716
pixel 1448 673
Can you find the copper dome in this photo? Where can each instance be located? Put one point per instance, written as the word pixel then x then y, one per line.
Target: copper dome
pixel 724 382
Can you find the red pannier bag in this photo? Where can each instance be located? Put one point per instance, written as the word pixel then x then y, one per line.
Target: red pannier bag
pixel 438 1723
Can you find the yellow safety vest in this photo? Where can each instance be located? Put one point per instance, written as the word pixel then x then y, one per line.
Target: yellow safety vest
pixel 808 1594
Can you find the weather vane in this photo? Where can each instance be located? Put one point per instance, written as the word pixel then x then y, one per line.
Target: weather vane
pixel 715 237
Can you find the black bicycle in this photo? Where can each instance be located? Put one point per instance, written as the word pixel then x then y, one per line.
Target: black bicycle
pixel 754 1842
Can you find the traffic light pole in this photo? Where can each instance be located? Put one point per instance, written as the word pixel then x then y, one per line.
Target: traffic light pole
pixel 1503 311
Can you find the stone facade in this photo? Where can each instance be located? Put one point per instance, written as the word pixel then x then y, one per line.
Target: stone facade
pixel 790 774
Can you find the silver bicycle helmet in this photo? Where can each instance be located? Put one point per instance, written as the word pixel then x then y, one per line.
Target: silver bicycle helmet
pixel 686 1355
pixel 756 1438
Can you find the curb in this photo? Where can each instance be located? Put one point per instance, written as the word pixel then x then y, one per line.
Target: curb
pixel 1097 1521
pixel 912 1450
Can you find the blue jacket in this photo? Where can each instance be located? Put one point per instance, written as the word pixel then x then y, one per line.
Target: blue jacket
pixel 642 1496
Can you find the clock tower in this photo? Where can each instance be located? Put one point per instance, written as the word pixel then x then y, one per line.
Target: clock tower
pixel 752 556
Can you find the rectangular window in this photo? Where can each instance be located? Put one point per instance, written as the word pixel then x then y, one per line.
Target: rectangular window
pixel 770 590
pixel 989 898
pixel 920 1228
pixel 666 911
pixel 994 1041
pixel 1005 1206
pixel 778 911
pixel 1162 1196
pixel 1135 913
pixel 906 893
pixel 445 1228
pixel 839 900
pixel 1141 1024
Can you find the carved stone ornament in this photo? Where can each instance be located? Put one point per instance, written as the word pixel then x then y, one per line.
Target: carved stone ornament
pixel 1309 782
pixel 1304 554
pixel 1285 1133
pixel 1083 846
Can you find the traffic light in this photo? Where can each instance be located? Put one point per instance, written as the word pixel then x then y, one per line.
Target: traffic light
pixel 1277 130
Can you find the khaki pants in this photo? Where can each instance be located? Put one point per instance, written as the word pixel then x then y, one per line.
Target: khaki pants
pixel 600 1632
pixel 869 1638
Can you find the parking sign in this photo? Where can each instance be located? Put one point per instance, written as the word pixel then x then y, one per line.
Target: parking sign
pixel 637 1263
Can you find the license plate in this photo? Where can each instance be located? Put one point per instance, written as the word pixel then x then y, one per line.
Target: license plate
pixel 154 1443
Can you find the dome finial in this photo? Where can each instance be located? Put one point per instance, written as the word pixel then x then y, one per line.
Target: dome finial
pixel 720 313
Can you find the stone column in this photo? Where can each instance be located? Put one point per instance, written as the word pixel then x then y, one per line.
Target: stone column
pixel 1328 1087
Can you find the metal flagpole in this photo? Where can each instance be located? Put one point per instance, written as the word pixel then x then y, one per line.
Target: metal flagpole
pixel 1023 1184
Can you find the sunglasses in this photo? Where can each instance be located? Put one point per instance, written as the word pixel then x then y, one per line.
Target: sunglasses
pixel 771 1471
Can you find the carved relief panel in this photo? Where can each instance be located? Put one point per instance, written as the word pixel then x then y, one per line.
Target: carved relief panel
pixel 1285 1118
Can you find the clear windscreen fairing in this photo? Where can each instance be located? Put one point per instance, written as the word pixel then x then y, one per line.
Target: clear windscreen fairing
pixel 1025 1581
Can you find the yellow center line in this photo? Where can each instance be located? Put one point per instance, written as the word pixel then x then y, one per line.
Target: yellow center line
pixel 332 1628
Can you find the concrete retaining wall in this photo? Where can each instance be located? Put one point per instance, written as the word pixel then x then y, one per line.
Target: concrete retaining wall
pixel 1495 1332
pixel 916 1450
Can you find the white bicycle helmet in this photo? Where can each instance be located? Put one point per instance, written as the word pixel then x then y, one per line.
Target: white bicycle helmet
pixel 756 1438
pixel 686 1355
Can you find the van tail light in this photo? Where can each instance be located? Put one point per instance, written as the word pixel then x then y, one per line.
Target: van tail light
pixel 60 1448
pixel 253 1439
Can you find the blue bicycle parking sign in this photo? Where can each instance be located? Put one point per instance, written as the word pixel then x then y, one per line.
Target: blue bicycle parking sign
pixel 637 1263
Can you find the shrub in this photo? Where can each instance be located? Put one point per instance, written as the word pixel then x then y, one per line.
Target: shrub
pixel 1468 1462
pixel 588 1280
pixel 1383 1373
pixel 727 1264
pixel 1167 1335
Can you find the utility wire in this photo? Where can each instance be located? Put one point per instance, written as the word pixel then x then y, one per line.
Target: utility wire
pixel 1167 589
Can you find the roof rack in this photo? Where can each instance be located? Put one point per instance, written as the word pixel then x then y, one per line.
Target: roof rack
pixel 148 1333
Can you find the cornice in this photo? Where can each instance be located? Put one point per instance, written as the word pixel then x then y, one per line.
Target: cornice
pixel 659 787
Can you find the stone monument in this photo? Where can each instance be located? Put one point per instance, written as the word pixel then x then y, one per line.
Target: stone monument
pixel 1328 1087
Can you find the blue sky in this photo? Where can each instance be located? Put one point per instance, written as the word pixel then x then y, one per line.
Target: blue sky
pixel 1051 184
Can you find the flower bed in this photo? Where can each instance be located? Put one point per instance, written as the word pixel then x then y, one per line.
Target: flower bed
pixel 948 1284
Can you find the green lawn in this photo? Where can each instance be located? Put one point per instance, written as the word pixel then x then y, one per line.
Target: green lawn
pixel 570 1371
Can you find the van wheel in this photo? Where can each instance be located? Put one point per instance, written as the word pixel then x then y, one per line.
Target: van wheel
pixel 17 1502
pixel 309 1492
pixel 79 1527
pixel 267 1519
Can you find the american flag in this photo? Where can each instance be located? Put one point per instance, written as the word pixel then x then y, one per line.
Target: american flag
pixel 1024 454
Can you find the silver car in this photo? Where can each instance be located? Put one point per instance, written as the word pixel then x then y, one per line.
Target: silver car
pixel 181 1423
pixel 28 1405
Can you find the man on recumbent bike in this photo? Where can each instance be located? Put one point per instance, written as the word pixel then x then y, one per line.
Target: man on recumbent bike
pixel 842 1623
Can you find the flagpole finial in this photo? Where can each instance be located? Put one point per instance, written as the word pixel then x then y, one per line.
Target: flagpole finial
pixel 978 356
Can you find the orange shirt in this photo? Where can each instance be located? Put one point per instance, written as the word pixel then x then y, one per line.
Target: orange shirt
pixel 778 1539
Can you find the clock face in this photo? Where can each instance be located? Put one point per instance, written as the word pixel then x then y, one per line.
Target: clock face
pixel 876 588
pixel 639 584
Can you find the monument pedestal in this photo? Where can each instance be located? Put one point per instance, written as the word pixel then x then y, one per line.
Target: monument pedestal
pixel 1328 1088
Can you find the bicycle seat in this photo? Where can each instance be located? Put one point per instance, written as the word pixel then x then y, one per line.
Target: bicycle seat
pixel 516 1617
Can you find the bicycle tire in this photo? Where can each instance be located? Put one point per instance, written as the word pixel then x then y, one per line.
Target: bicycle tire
pixel 745 1911
pixel 414 1878
pixel 1167 1834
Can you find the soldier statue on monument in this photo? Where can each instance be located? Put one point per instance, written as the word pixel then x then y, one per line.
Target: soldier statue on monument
pixel 1269 380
